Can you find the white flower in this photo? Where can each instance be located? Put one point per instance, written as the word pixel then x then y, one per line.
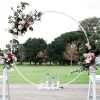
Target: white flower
pixel 87 61
pixel 15 59
pixel 19 32
pixel 12 25
pixel 15 36
pixel 30 13
pixel 20 27
pixel 85 55
pixel 15 30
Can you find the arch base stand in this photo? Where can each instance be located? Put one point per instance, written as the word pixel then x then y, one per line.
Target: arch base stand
pixel 5 85
pixel 93 79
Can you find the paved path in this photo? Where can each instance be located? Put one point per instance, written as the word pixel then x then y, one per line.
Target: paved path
pixel 30 92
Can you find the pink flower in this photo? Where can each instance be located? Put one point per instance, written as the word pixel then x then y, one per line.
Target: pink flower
pixel 20 27
pixel 22 22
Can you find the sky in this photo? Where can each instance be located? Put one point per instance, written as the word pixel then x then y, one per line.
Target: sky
pixel 52 24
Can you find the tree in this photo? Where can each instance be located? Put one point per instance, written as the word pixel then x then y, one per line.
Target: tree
pixel 42 56
pixel 13 46
pixel 71 53
pixel 32 47
pixel 58 46
pixel 91 25
pixel 97 49
pixel 20 55
pixel 54 51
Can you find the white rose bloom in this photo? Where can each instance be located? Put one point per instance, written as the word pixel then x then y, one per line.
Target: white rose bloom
pixel 15 36
pixel 19 22
pixel 19 32
pixel 20 27
pixel 87 61
pixel 85 55
pixel 12 25
pixel 23 22
pixel 15 30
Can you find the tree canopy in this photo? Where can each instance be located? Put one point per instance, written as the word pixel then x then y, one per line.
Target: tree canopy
pixel 32 47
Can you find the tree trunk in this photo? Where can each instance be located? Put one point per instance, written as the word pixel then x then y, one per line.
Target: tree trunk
pixel 50 63
pixel 30 62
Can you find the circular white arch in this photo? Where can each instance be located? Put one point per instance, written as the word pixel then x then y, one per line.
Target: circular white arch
pixel 26 79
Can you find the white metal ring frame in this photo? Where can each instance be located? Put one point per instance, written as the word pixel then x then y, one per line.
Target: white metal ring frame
pixel 26 79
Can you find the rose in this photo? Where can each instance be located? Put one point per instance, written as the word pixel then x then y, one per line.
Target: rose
pixel 19 32
pixel 85 55
pixel 12 25
pixel 20 27
pixel 22 22
pixel 8 59
pixel 93 57
pixel 15 30
pixel 87 61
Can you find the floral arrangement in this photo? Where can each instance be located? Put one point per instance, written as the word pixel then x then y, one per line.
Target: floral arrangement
pixel 89 58
pixel 9 57
pixel 20 22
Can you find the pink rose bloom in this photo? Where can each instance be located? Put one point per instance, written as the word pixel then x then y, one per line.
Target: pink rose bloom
pixel 20 27
pixel 22 22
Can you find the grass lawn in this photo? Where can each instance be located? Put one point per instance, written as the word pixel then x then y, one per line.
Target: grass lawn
pixel 40 73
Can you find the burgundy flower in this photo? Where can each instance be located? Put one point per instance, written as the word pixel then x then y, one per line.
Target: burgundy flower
pixel 26 25
pixel 31 28
pixel 93 57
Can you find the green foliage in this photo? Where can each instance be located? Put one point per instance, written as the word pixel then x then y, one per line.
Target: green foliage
pixel 14 45
pixel 91 25
pixel 20 22
pixel 92 28
pixel 98 45
pixel 18 13
pixel 58 46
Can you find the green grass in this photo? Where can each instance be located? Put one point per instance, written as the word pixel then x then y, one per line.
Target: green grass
pixel 39 73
